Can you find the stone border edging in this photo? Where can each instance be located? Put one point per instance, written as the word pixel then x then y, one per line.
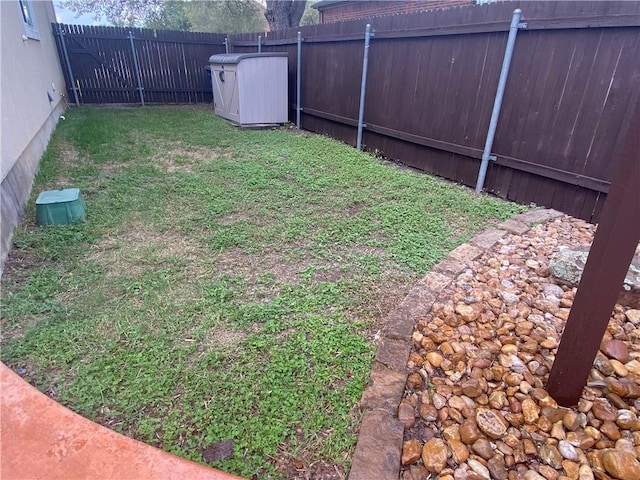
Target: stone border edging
pixel 379 447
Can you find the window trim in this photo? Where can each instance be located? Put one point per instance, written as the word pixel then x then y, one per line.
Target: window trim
pixel 29 21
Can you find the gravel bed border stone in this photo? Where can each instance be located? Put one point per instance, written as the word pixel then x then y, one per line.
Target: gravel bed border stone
pixel 379 447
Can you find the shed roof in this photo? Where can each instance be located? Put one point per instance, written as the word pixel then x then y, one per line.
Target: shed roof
pixel 230 58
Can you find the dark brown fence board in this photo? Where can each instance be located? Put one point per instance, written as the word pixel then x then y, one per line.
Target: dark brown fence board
pixel 171 64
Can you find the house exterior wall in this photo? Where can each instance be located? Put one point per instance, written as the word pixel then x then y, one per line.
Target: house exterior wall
pixel 29 69
pixel 341 11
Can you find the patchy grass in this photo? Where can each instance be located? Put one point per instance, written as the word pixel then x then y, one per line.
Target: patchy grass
pixel 227 283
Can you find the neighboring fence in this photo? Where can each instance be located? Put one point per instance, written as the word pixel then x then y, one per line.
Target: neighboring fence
pixel 432 80
pixel 431 85
pixel 136 65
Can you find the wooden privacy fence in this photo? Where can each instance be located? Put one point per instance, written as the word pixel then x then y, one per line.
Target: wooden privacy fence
pixel 432 81
pixel 136 65
pixel 431 84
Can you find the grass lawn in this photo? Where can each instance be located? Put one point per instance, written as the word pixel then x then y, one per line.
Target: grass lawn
pixel 227 285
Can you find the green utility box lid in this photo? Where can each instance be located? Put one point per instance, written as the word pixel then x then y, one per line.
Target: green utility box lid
pixel 60 207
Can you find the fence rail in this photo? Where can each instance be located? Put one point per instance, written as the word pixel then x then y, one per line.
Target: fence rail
pixel 430 89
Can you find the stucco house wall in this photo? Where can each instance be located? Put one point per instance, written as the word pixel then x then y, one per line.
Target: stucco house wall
pixel 32 98
pixel 341 10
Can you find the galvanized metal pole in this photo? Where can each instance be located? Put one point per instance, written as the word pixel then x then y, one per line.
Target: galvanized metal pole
pixel 135 64
pixel 299 81
pixel 497 103
pixel 363 84
pixel 259 43
pixel 226 45
pixel 68 64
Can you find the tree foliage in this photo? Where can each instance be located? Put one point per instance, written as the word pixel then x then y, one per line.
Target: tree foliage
pixel 129 13
pixel 311 16
pixel 229 16
pixel 235 16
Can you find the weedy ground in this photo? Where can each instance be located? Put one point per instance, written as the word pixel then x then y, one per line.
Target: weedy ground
pixel 227 284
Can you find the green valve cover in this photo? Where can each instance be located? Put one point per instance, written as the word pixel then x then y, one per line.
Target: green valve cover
pixel 60 207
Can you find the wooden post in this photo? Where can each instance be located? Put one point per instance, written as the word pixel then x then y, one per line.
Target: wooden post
pixel 609 258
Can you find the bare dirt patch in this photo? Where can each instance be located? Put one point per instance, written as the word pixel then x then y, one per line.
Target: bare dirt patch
pixel 138 250
pixel 178 157
pixel 252 266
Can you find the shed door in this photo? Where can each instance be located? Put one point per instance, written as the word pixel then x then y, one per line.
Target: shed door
pixel 225 92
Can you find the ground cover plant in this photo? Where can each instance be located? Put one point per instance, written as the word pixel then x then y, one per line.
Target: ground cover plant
pixel 227 285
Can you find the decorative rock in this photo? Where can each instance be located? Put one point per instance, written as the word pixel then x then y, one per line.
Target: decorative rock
pixel 585 472
pixel 479 468
pixel 491 422
pixel 567 450
pixel 483 447
pixel 486 349
pixel 530 411
pixel 603 365
pixel 497 469
pixel 406 414
pixel 498 400
pixel 468 313
pixel 428 412
pixel 452 432
pixel 627 420
pixel 434 455
pixel 469 432
pixel 633 316
pixel 603 410
pixel 509 298
pixel 471 388
pixel 616 386
pixel 572 469
pixel 458 403
pixel 619 368
pixel 616 349
pixel 435 359
pixel 557 431
pixel 581 439
pixel 610 430
pixel 633 367
pixel 415 381
pixel 571 421
pixel 547 472
pixel 438 401
pixel 550 455
pixel 459 451
pixel 621 464
pixel 533 475
pixel 411 450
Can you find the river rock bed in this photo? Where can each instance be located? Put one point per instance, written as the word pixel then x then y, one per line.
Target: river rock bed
pixel 475 406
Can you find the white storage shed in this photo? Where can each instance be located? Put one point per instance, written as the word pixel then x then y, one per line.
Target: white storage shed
pixel 250 88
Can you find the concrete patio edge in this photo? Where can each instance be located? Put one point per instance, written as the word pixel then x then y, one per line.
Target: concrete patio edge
pixel 42 439
pixel 379 447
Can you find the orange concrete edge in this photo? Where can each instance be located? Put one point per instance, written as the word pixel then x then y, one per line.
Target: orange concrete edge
pixel 42 439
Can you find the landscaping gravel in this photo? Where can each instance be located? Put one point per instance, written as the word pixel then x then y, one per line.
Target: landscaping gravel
pixel 475 405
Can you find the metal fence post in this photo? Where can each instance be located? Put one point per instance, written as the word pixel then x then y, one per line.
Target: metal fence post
pixel 68 65
pixel 363 84
pixel 259 43
pixel 226 45
pixel 137 68
pixel 497 104
pixel 299 81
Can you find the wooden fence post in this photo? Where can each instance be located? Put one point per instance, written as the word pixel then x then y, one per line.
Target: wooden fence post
pixel 611 253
